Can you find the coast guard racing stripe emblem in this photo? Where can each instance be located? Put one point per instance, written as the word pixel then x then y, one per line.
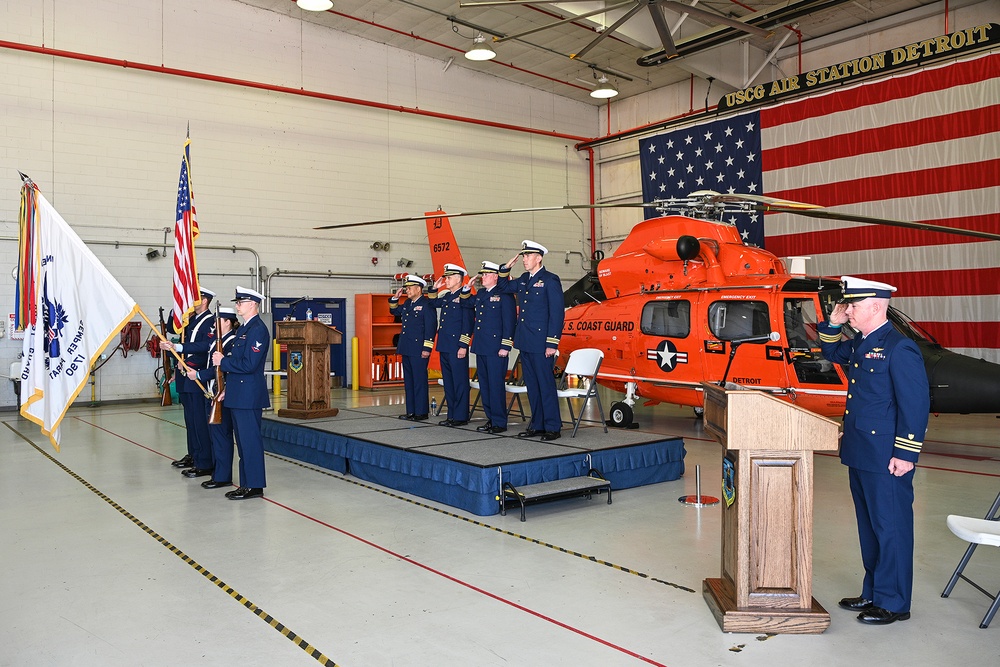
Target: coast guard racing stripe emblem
pixel 666 356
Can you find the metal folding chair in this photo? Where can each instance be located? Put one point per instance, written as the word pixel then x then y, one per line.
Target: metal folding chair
pixel 976 531
pixel 584 364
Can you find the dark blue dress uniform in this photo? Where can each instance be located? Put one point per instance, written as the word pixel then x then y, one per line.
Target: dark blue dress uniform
pixel 246 396
pixel 454 333
pixel 419 319
pixel 494 331
pixel 539 325
pixel 198 339
pixel 888 400
pixel 221 434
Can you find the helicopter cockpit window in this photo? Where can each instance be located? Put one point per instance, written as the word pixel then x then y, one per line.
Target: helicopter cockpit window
pixel 731 320
pixel 666 318
pixel 810 366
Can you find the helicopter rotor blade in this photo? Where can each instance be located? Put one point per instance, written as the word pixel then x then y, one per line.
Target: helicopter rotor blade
pixel 535 209
pixel 826 214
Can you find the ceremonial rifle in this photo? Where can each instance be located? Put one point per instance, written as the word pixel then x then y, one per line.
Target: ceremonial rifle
pixel 215 416
pixel 168 374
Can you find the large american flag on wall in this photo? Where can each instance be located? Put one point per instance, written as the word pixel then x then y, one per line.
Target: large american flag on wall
pixel 921 146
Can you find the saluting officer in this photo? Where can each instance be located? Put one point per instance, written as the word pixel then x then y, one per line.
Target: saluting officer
pixel 491 343
pixel 454 336
pixel 416 340
pixel 221 433
pixel 885 420
pixel 198 338
pixel 246 391
pixel 539 325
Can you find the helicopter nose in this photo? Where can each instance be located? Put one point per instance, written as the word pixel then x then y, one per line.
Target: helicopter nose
pixel 962 384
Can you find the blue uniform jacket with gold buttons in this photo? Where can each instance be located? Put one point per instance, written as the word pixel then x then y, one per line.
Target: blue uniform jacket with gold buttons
pixel 495 313
pixel 199 339
pixel 540 300
pixel 419 319
pixel 888 397
pixel 246 386
pixel 455 324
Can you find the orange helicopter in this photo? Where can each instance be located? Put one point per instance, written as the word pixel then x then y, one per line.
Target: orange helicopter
pixel 683 300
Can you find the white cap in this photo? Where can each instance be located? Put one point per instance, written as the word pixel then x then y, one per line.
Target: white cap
pixel 414 280
pixel 490 267
pixel 856 289
pixel 528 247
pixel 247 294
pixel 206 292
pixel 228 313
pixel 454 270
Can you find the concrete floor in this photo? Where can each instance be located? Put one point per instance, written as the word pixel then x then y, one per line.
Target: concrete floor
pixel 110 557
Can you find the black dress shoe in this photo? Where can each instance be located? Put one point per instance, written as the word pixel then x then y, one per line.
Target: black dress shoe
pixel 446 422
pixel 183 462
pixel 455 422
pixel 498 429
pixel 880 616
pixel 408 416
pixel 528 433
pixel 419 418
pixel 551 435
pixel 485 427
pixel 196 472
pixel 212 484
pixel 243 493
pixel 856 604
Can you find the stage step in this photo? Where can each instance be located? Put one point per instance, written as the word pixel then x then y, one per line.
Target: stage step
pixel 560 488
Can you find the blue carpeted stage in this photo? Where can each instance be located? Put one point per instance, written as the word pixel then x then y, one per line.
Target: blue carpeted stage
pixel 461 467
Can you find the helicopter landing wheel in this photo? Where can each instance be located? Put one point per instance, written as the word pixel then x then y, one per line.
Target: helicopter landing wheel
pixel 620 415
pixel 699 412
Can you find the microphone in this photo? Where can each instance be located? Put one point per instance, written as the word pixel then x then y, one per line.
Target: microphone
pixel 773 336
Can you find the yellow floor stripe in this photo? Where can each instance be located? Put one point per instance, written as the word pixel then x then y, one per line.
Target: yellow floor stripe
pixel 260 613
pixel 481 524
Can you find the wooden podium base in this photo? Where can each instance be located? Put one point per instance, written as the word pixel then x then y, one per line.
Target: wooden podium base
pixel 718 594
pixel 307 414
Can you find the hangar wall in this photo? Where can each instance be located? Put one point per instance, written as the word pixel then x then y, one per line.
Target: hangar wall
pixel 104 144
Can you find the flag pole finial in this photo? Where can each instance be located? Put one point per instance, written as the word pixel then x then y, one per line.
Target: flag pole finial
pixel 25 178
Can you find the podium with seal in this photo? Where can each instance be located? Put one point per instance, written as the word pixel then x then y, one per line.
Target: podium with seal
pixel 308 344
pixel 766 582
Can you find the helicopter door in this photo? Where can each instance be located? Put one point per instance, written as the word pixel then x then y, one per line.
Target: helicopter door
pixel 758 364
pixel 806 364
pixel 671 357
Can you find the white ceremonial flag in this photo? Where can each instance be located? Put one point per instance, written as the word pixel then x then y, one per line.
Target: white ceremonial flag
pixel 78 308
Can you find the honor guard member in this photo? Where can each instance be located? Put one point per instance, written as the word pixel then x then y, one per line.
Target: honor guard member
pixel 197 338
pixel 246 391
pixel 493 338
pixel 539 325
pixel 454 336
pixel 416 340
pixel 222 433
pixel 885 420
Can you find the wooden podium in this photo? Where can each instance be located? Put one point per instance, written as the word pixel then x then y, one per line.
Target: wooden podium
pixel 308 344
pixel 766 583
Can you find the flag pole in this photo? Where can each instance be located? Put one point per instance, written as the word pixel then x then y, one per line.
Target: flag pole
pixel 183 366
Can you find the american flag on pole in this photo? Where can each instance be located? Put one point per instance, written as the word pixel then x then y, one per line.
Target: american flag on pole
pixel 921 146
pixel 186 289
pixel 77 308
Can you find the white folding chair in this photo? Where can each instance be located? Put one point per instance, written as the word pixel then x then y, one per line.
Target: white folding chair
pixel 976 531
pixel 516 386
pixel 584 364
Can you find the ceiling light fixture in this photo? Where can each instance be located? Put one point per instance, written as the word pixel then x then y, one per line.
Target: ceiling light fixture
pixel 605 90
pixel 480 49
pixel 314 5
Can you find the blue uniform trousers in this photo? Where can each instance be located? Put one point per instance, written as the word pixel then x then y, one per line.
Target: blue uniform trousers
pixel 492 370
pixel 541 385
pixel 199 442
pixel 222 445
pixel 884 507
pixel 455 374
pixel 415 384
pixel 246 425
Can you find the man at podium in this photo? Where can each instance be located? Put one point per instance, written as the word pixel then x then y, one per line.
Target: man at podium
pixel 888 400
